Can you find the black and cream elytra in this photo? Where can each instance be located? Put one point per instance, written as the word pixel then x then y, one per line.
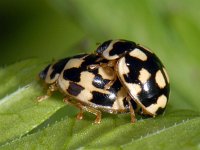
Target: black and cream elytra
pixel 140 72
pixel 120 77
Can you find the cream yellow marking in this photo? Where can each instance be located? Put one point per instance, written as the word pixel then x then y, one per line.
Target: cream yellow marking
pixel 146 48
pixel 138 54
pixel 166 74
pixel 107 73
pixel 63 85
pixel 84 96
pixel 106 54
pixel 74 63
pixel 161 103
pixel 86 82
pixel 122 66
pixel 118 104
pixel 144 75
pixel 160 79
pixel 134 89
pixel 152 108
pixel 48 79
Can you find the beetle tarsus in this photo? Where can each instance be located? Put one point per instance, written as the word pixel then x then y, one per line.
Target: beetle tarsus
pixel 80 115
pixel 52 88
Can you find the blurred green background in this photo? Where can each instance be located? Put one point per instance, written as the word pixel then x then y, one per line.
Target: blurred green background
pixel 53 29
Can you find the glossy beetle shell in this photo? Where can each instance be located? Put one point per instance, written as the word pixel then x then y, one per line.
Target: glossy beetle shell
pixel 52 71
pixel 88 85
pixel 141 73
pixel 74 79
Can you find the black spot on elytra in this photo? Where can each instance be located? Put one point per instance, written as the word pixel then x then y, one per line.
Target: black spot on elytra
pixel 72 74
pixel 43 73
pixel 74 89
pixel 117 85
pixel 160 111
pixel 122 47
pixel 58 67
pixel 152 65
pixel 103 99
pixel 150 90
pixel 148 101
pixel 99 82
pixel 89 60
pixel 150 96
pixel 92 59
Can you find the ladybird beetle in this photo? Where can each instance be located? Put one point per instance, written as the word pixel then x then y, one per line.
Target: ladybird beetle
pixel 141 72
pixel 86 88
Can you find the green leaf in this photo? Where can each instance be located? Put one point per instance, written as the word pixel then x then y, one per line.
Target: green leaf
pixel 19 110
pixel 57 29
pixel 115 132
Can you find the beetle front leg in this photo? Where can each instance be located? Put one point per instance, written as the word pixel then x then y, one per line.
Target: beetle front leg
pixel 110 83
pixel 51 89
pixel 110 64
pixel 108 68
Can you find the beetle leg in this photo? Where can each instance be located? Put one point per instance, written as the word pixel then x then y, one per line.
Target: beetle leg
pixel 52 88
pixel 93 66
pixel 109 64
pixel 82 107
pixel 112 63
pixel 77 105
pixel 110 83
pixel 108 69
pixel 97 66
pixel 132 112
pixel 94 111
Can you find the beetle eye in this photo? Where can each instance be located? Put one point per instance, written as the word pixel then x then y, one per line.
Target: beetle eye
pixel 103 47
pixel 43 73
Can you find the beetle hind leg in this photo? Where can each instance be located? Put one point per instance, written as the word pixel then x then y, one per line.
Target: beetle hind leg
pixel 132 112
pixel 94 111
pixel 77 105
pixel 82 108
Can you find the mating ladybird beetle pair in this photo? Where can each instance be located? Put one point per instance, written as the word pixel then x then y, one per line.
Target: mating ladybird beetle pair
pixel 120 77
